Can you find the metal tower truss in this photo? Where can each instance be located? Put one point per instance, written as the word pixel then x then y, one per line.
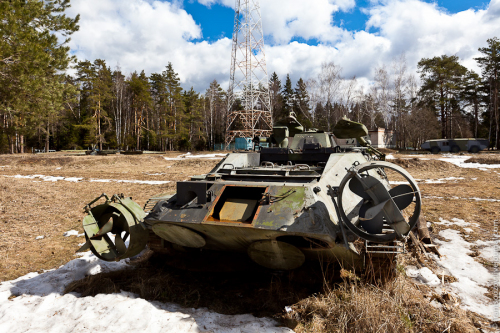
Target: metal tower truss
pixel 248 79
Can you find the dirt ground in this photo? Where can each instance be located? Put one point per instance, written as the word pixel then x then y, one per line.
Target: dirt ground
pixel 30 208
pixel 33 207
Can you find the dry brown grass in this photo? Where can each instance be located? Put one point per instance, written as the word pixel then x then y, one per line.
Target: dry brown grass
pixel 29 209
pixel 485 159
pixel 397 306
pixel 430 165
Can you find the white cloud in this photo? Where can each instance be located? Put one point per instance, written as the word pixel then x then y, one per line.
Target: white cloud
pixel 285 19
pixel 147 35
pixel 422 29
pixel 140 34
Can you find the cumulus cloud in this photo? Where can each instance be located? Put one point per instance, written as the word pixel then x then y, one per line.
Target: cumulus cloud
pixel 285 19
pixel 140 34
pixel 422 29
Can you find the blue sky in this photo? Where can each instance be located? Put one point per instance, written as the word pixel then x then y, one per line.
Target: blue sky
pixel 357 35
pixel 217 20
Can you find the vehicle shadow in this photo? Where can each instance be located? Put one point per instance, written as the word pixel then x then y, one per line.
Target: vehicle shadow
pixel 237 287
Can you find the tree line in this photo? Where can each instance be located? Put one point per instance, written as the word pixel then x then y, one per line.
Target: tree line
pixel 43 107
pixel 447 100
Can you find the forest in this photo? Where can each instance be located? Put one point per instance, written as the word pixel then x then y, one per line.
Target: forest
pixel 42 106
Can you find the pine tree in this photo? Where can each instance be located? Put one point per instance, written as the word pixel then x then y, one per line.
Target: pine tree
pixel 193 135
pixel 32 61
pixel 141 104
pixel 215 114
pixel 490 65
pixel 471 93
pixel 301 104
pixel 441 80
pixel 288 98
pixel 159 99
pixel 96 96
pixel 117 105
pixel 174 116
pixel 276 97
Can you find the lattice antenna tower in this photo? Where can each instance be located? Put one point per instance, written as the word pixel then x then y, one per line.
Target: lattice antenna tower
pixel 248 79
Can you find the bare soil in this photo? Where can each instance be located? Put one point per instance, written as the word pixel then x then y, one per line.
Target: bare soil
pixel 33 207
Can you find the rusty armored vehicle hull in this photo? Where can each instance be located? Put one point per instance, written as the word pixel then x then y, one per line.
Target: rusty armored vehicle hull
pixel 280 206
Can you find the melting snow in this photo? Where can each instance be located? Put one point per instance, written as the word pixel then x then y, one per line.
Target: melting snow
pixel 460 162
pixel 189 155
pixel 40 306
pixel 471 275
pixel 489 250
pixel 424 275
pixel 72 233
pixel 397 182
pixel 75 179
pixel 458 198
pixel 72 179
pixel 455 221
pixel 427 181
pixel 441 180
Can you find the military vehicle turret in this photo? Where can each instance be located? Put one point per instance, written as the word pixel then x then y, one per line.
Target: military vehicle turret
pixel 303 198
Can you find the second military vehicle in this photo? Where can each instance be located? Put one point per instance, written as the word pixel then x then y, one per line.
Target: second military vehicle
pixel 470 145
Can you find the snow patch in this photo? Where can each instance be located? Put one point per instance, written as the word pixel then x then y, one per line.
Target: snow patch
pixel 428 181
pixel 471 275
pixel 76 179
pixel 41 306
pixel 459 198
pixel 457 222
pixel 189 155
pixel 100 180
pixel 398 182
pixel 73 179
pixel 423 275
pixel 460 161
pixel 72 233
pixel 442 180
pixel 147 182
pixel 489 250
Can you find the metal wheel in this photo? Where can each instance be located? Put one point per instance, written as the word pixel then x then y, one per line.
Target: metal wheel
pixel 435 150
pixel 385 211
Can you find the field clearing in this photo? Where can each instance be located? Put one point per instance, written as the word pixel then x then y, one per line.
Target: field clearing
pixel 30 208
pixel 49 207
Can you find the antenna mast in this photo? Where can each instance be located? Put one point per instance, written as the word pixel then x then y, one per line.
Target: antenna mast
pixel 249 104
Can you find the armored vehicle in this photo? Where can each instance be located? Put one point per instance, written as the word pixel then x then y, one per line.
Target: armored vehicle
pixel 304 198
pixel 471 145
